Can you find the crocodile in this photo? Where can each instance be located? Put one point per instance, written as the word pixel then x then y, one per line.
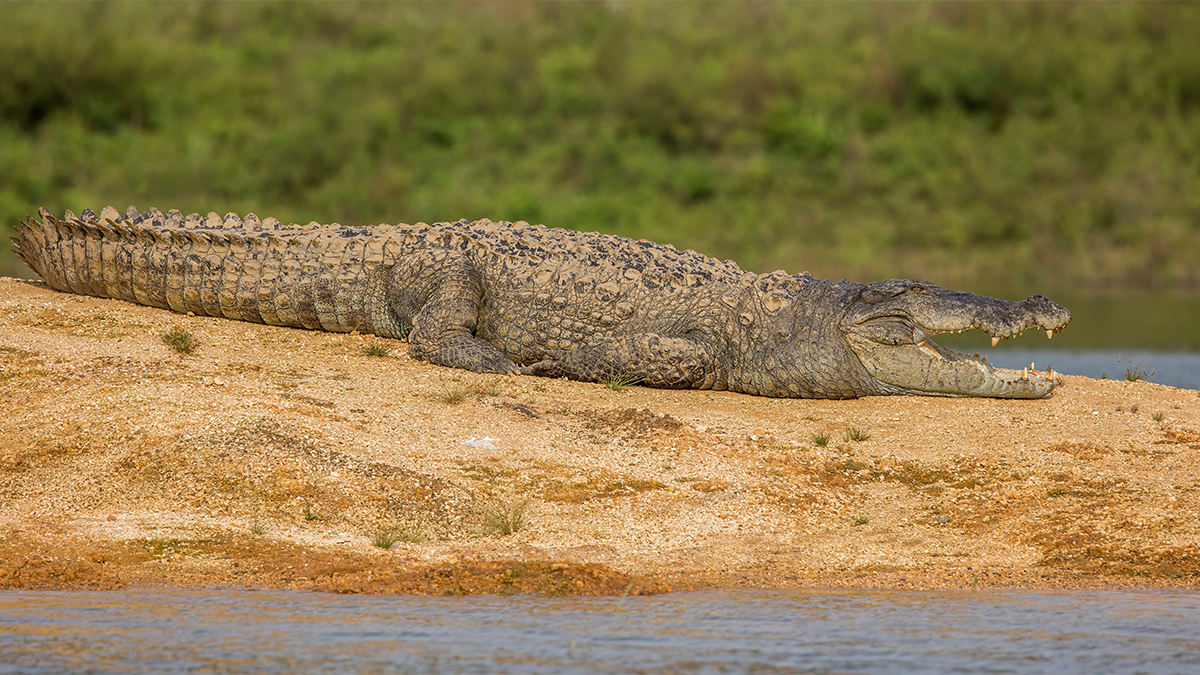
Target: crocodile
pixel 516 298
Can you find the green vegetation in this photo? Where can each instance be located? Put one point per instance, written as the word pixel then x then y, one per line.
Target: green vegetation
pixel 376 348
pixel 618 383
pixel 821 439
pixel 1133 373
pixel 453 395
pixel 385 539
pixel 180 340
pixel 504 519
pixel 999 145
pixel 856 435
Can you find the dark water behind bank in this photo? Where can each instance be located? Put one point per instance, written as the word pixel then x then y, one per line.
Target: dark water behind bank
pixel 710 632
pixel 1154 336
pixel 1145 320
pixel 1176 369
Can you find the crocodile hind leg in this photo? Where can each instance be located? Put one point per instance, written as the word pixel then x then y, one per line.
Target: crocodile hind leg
pixel 663 361
pixel 439 293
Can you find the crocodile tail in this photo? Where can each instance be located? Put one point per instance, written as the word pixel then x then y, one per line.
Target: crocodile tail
pixel 80 254
pixel 246 270
pixel 43 244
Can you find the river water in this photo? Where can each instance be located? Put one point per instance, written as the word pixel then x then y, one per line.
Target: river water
pixel 239 631
pixel 1151 335
pixel 1174 368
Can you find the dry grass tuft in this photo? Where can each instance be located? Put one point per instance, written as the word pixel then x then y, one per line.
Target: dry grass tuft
pixel 460 392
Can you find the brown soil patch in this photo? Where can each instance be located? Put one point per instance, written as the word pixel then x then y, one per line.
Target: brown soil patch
pixel 224 558
pixel 285 458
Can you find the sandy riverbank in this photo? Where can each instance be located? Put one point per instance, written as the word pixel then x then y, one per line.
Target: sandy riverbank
pixel 285 458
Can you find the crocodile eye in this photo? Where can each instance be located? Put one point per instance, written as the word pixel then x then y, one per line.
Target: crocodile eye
pixel 892 330
pixel 920 290
pixel 876 295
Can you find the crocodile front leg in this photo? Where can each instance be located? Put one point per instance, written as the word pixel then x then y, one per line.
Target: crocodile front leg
pixel 663 361
pixel 439 293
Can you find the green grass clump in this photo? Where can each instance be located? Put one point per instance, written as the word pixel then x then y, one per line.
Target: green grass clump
pixel 453 395
pixel 180 340
pixel 376 348
pixel 309 514
pixel 385 539
pixel 821 440
pixel 619 382
pixel 504 519
pixel 1134 373
pixel 458 393
pixel 856 435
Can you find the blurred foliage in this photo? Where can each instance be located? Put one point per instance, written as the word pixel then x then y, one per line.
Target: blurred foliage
pixel 1002 145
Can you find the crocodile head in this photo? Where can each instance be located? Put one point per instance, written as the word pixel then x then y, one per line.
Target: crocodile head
pixel 890 324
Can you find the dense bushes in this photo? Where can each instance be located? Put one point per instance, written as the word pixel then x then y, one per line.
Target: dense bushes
pixel 969 143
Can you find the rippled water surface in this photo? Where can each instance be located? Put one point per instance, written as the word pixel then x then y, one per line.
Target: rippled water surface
pixel 710 632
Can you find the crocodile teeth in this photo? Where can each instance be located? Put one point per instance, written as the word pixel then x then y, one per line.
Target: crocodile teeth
pixel 923 345
pixel 1051 375
pixel 995 340
pixel 1025 374
pixel 1049 333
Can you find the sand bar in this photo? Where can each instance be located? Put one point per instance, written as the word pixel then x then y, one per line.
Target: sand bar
pixel 283 458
